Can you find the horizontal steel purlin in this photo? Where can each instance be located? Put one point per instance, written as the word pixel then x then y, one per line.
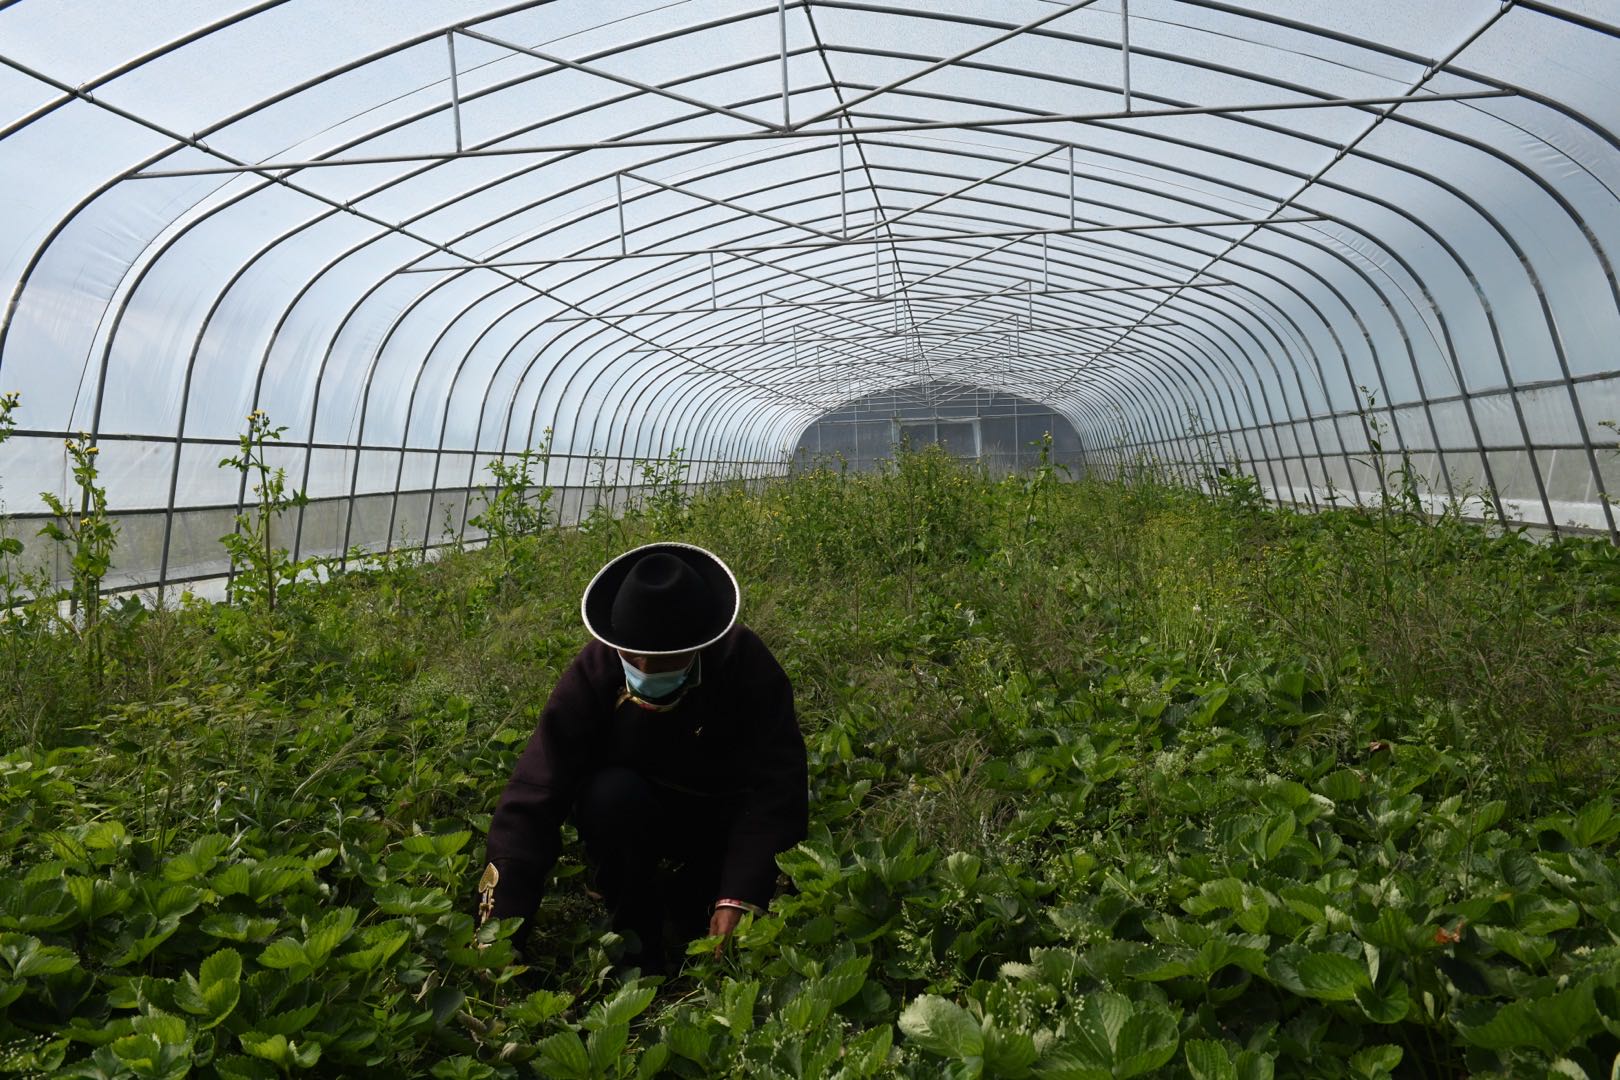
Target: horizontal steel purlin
pixel 889 298
pixel 888 240
pixel 721 138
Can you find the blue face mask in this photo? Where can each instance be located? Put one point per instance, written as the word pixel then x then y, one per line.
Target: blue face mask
pixel 658 685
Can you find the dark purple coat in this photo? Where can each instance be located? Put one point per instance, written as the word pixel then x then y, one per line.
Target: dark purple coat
pixel 733 737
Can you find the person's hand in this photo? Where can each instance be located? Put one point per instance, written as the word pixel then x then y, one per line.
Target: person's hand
pixel 721 924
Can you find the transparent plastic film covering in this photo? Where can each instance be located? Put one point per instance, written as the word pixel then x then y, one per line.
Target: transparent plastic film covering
pixel 1186 235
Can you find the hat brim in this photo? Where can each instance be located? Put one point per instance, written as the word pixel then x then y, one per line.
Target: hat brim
pixel 596 605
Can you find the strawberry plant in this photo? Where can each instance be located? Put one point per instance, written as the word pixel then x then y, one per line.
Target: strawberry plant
pixel 1106 781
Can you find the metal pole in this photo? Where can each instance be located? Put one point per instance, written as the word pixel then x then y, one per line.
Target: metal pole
pixel 608 316
pixel 893 239
pixel 1125 48
pixel 843 187
pixel 1071 187
pixel 455 87
pixel 714 286
pixel 877 254
pixel 618 184
pixel 781 25
pixel 772 133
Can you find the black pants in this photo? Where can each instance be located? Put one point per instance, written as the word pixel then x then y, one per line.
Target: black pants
pixel 656 856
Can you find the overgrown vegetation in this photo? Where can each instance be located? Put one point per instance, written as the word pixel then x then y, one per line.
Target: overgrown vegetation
pixel 1107 781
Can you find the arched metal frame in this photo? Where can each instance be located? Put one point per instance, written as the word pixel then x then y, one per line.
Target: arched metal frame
pixel 1279 273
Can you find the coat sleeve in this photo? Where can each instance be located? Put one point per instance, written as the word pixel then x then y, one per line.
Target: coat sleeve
pixel 774 813
pixel 524 833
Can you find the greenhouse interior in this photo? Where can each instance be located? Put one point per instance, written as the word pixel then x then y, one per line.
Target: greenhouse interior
pixel 1163 456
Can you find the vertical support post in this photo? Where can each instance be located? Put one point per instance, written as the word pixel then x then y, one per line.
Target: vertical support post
pixel 1071 187
pixel 894 288
pixel 843 186
pixel 618 184
pixel 455 86
pixel 781 26
pixel 1125 49
pixel 714 286
pixel 1046 262
pixel 877 255
pixel 1030 295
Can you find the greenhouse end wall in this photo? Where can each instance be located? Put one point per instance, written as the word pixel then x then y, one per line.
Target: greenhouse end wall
pixel 1001 431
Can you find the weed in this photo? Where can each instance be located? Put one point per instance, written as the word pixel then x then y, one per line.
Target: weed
pixel 258 567
pixel 519 507
pixel 89 536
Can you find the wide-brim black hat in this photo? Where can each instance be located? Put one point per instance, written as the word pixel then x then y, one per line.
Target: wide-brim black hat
pixel 660 599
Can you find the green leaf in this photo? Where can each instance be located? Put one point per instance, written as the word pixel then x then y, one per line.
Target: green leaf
pixel 1332 976
pixel 1597 822
pixel 604 1046
pixel 1486 817
pixel 333 929
pixel 224 966
pixel 234 880
pixel 402 900
pixel 942 1027
pixel 842 982
pixel 961 869
pixel 1532 952
pixel 868 1052
pixel 1208 1060
pixel 690 1041
pixel 1278 832
pixel 1071 1063
pixel 237 1067
pixel 626 1005
pixel 275 1049
pixel 1388 1006
pixel 737 1006
pixel 1101 1019
pixel 28 958
pixel 653 1061
pixel 283 953
pixel 1007 1054
pixel 563 1056
pixel 166 1028
pixel 215 990
pixel 539 1007
pixel 288 1022
pixel 1519 870
pixel 1341 786
pixel 1147 1041
pixel 461 1067
pixel 198 860
pixel 1254 1065
pixel 1538 915
pixel 1375 1062
pixel 1554 1024
pixel 443 1003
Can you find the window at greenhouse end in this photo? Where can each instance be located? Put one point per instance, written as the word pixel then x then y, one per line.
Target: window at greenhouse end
pixel 959 438
pixel 1003 431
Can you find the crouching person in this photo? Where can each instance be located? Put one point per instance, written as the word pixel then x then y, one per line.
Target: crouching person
pixel 671 741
